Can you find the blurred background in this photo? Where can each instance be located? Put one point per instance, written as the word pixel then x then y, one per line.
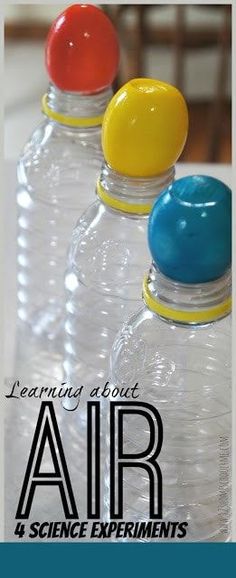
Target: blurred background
pixel 188 46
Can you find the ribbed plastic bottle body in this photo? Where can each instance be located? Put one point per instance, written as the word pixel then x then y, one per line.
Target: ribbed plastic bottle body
pixel 105 264
pixel 57 175
pixel 107 256
pixel 184 371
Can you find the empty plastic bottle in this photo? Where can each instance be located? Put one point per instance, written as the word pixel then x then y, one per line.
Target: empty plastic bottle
pixel 178 349
pixel 59 166
pixel 144 131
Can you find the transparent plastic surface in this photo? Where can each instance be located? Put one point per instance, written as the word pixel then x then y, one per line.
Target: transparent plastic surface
pixel 106 260
pixel 57 175
pixel 107 256
pixel 185 372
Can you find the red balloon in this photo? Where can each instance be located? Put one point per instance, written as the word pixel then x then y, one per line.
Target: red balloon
pixel 82 50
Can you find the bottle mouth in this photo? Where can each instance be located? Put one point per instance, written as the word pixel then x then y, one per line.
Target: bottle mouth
pixel 75 109
pixel 119 205
pixel 200 303
pixel 134 195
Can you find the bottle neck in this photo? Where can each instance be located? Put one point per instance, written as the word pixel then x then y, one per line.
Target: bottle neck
pixel 129 194
pixel 75 109
pixel 187 303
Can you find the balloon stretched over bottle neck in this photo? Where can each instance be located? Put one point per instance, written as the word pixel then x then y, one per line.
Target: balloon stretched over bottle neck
pixel 131 195
pixel 185 303
pixel 75 110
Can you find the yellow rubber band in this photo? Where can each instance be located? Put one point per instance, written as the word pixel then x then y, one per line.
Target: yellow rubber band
pixel 121 205
pixel 202 316
pixel 70 120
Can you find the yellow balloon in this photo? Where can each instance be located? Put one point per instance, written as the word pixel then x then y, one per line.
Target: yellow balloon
pixel 145 127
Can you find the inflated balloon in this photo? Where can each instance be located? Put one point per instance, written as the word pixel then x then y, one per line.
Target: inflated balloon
pixel 189 230
pixel 145 128
pixel 82 51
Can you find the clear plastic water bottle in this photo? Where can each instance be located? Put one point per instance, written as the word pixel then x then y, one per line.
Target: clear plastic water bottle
pixel 58 168
pixel 177 347
pixel 144 131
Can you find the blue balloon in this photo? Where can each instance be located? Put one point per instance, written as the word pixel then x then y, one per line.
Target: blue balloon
pixel 189 231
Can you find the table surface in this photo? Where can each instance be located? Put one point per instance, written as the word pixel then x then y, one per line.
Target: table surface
pixel 223 172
